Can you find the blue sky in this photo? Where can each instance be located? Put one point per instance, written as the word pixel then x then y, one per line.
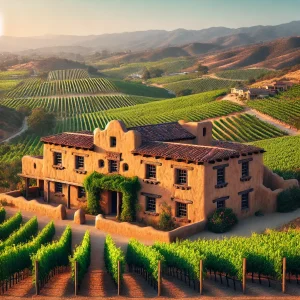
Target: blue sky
pixel 84 17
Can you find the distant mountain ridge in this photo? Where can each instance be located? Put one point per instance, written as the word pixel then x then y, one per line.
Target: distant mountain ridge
pixel 153 39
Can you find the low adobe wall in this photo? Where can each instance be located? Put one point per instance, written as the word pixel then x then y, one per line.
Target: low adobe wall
pixel 135 231
pixel 268 199
pixel 14 198
pixel 274 181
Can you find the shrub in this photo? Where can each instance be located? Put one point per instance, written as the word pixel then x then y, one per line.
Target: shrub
pixel 165 218
pixel 222 220
pixel 288 200
pixel 2 214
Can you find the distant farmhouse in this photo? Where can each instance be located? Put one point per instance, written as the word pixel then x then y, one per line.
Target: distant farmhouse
pixel 178 164
pixel 262 91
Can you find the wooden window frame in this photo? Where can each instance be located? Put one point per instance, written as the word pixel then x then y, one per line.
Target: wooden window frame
pixel 58 187
pixel 79 160
pixel 113 163
pixel 151 204
pixel 150 172
pixel 181 207
pixel 180 175
pixel 55 161
pixel 113 141
pixel 81 194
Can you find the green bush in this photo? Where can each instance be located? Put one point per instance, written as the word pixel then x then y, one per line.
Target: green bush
pixel 165 218
pixel 113 254
pixel 288 200
pixel 2 215
pixel 222 220
pixel 24 234
pixel 82 255
pixel 54 255
pixel 10 225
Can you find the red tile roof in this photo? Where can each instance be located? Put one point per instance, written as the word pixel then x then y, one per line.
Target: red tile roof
pixel 241 148
pixel 77 140
pixel 194 153
pixel 164 132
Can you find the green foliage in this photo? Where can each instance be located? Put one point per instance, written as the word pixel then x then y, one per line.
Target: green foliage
pixel 165 218
pixel 143 256
pixel 282 155
pixel 243 74
pixel 13 74
pixel 69 74
pixel 288 200
pixel 222 220
pixel 82 255
pixel 184 92
pixel 73 106
pixel 10 225
pixel 133 88
pixel 2 214
pixel 7 85
pixel 284 110
pixel 264 253
pixel 113 254
pixel 155 72
pixel 26 232
pixel 201 85
pixel 244 128
pixel 17 258
pixel 146 74
pixel 173 78
pixel 54 255
pixel 129 187
pixel 40 120
pixel 202 70
pixel 11 120
pixel 181 257
pixel 39 88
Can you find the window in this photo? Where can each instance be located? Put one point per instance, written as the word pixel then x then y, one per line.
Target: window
pixel 181 210
pixel 57 158
pixel 245 201
pixel 79 162
pixel 150 204
pixel 125 167
pixel 101 163
pixel 245 169
pixel 58 187
pixel 204 131
pixel 34 165
pixel 81 192
pixel 113 141
pixel 181 176
pixel 113 166
pixel 220 176
pixel 150 171
pixel 221 204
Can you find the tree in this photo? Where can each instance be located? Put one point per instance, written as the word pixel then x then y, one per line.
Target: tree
pixel 251 80
pixel 40 121
pixel 202 70
pixel 155 72
pixel 24 110
pixel 146 74
pixel 9 179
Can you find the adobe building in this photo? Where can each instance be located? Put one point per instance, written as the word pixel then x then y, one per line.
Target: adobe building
pixel 176 163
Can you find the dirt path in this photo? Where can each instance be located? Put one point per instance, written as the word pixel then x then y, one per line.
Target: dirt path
pixel 19 132
pixel 266 118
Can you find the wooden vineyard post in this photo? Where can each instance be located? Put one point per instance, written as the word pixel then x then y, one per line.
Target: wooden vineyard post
pixel 76 278
pixel 159 279
pixel 119 278
pixel 244 274
pixel 37 286
pixel 283 274
pixel 201 277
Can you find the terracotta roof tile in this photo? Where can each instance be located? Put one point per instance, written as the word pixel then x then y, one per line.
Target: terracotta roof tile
pixel 77 140
pixel 185 152
pixel 164 132
pixel 241 148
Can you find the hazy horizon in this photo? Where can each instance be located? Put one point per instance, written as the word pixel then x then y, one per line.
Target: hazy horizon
pixel 32 18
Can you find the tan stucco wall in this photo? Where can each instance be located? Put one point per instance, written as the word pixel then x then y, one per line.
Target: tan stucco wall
pixel 201 178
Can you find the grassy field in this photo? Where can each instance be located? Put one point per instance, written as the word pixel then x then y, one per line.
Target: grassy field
pixel 244 128
pixel 71 106
pixel 242 74
pixel 287 111
pixel 134 88
pixel 7 85
pixel 68 74
pixel 39 88
pixel 282 156
pixel 173 78
pixel 14 74
pixel 200 85
pixel 168 65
